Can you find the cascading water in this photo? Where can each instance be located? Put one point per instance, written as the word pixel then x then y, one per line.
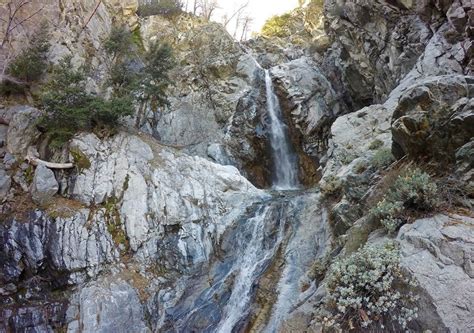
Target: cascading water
pixel 285 170
pixel 221 299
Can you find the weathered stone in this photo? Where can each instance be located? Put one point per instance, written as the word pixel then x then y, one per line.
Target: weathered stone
pixel 5 183
pixel 109 307
pixel 434 118
pixel 439 253
pixel 22 132
pixel 309 101
pixel 44 186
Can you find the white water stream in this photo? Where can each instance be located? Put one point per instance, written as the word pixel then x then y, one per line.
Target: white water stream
pixel 285 175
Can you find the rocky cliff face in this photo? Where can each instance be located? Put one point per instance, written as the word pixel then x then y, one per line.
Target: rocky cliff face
pixel 164 229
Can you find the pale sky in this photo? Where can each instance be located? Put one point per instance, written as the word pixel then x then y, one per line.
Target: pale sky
pixel 259 10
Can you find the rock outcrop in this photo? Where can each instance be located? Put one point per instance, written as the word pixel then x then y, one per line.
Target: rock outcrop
pixel 44 185
pixel 439 253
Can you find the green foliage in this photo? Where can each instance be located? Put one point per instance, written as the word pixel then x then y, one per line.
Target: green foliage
pixel 277 26
pixel 413 190
pixel 81 161
pixel 388 213
pixel 29 66
pixel 383 158
pixel 376 144
pixel 144 79
pixel 119 41
pixel 154 77
pixel 69 108
pixel 160 7
pixel 368 290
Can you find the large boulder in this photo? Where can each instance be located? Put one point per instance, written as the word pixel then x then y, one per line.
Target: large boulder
pixel 434 118
pixel 213 74
pixel 439 253
pixel 106 306
pixel 44 186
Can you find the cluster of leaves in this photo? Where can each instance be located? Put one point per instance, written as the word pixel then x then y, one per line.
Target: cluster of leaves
pixel 413 190
pixel 277 26
pixel 29 66
pixel 69 108
pixel 160 7
pixel 144 79
pixel 369 290
pixel 382 158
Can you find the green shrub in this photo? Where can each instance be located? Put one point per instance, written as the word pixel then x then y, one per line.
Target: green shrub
pixel 160 7
pixel 413 190
pixel 29 66
pixel 69 108
pixel 119 41
pixel 383 158
pixel 143 76
pixel 416 190
pixel 388 213
pixel 277 26
pixel 376 144
pixel 368 290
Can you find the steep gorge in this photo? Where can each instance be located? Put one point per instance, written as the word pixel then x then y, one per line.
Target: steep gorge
pixel 186 233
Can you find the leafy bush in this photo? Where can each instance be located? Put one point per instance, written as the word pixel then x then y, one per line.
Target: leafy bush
pixel 119 41
pixel 369 290
pixel 388 212
pixel 277 26
pixel 412 190
pixel 376 144
pixel 160 7
pixel 416 190
pixel 29 65
pixel 142 76
pixel 69 108
pixel 383 158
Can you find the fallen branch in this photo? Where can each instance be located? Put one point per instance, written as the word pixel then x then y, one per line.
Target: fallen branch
pixel 3 121
pixel 32 158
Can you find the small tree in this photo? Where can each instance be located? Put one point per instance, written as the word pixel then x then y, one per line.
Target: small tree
pixel 160 7
pixel 69 108
pixel 29 66
pixel 154 81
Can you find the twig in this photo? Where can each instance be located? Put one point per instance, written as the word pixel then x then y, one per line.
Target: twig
pixel 93 13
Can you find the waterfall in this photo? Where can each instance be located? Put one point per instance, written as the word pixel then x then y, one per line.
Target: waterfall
pixel 249 266
pixel 285 169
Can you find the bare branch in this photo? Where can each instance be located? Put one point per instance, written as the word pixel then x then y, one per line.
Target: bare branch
pixel 92 15
pixel 237 12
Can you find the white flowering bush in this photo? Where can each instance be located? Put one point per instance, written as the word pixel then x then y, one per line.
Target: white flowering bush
pixel 369 290
pixel 388 213
pixel 413 190
pixel 416 190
